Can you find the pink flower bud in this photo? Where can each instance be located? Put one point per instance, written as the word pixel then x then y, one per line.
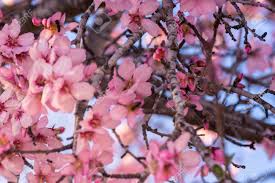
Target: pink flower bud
pixel 44 22
pixel 240 76
pixel 159 54
pixel 36 21
pixel 59 130
pixel 218 155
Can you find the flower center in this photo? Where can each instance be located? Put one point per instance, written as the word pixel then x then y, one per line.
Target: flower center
pixel 87 135
pixel 11 42
pixel 129 84
pixel 40 81
pixel 135 18
pixel 18 115
pixel 2 107
pixel 95 123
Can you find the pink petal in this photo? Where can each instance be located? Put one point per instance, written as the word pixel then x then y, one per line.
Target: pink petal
pixel 8 175
pixel 62 46
pixel 31 104
pixel 182 142
pixel 151 27
pixel 71 26
pixel 148 7
pixel 3 37
pixel 125 20
pixel 126 69
pixel 82 91
pixel 14 164
pixel 118 112
pixel 14 28
pixel 62 66
pixel 56 16
pixel 142 73
pixel 26 39
pixel 144 89
pixel 26 120
pixel 191 159
pixel 63 101
pixel 77 55
pixel 126 98
pixel 76 74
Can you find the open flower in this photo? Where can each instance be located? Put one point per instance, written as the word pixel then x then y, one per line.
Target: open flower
pixel 132 79
pixel 200 7
pixel 54 25
pixel 11 43
pixel 135 19
pixel 166 162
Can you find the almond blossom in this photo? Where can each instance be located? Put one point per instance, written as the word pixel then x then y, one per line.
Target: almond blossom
pixel 200 7
pixel 12 43
pixel 135 18
pixel 114 7
pixel 132 79
pixel 124 104
pixel 165 162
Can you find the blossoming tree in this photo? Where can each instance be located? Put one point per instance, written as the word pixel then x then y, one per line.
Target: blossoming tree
pixel 119 65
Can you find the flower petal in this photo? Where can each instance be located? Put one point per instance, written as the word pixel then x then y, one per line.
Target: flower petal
pixel 126 69
pixel 82 91
pixel 151 27
pixel 142 73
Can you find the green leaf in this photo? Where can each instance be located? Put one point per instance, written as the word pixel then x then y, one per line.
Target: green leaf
pixel 218 171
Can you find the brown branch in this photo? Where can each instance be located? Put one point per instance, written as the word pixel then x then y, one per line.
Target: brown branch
pixel 251 96
pixel 180 123
pixel 79 114
pixel 82 24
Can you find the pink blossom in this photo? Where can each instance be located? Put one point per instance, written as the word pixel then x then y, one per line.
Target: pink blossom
pixel 184 31
pixel 114 7
pixel 186 81
pixel 135 19
pixel 11 43
pixel 68 87
pixel 159 54
pixel 132 79
pixel 13 163
pixel 218 155
pixel 87 164
pixel 198 7
pixel 165 162
pixel 43 172
pixel 131 111
pixel 54 26
pixel 20 119
pixel 92 131
pixel 8 104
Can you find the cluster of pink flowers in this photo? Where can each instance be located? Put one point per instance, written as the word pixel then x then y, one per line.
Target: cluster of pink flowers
pixel 165 162
pixel 48 73
pixel 38 75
